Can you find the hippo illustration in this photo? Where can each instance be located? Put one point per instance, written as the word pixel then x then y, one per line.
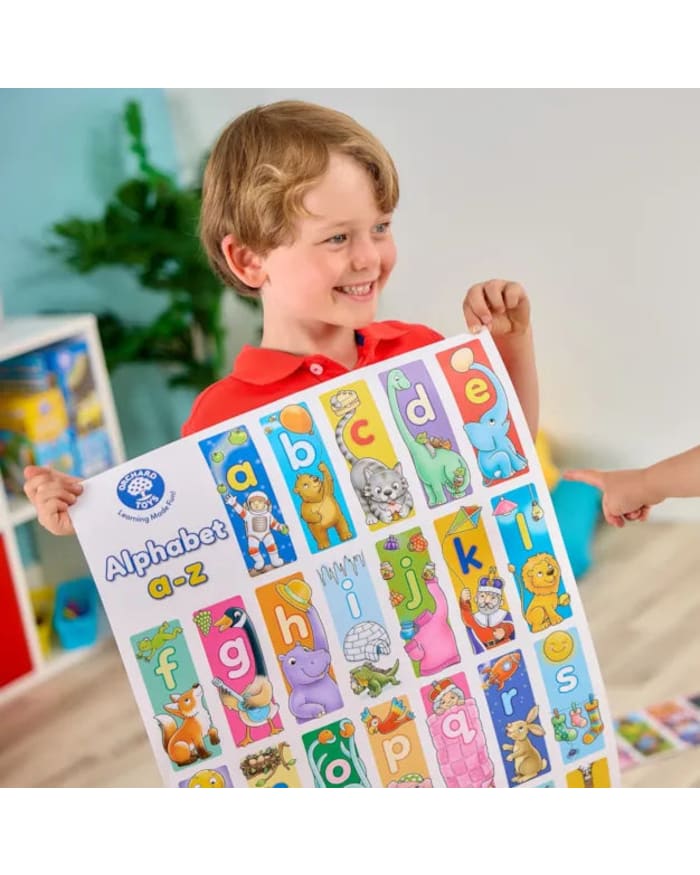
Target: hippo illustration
pixel 313 690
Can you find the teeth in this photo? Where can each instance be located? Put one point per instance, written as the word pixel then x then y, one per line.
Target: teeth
pixel 357 290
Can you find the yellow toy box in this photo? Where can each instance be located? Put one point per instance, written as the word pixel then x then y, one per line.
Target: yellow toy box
pixel 63 367
pixel 39 416
pixel 33 430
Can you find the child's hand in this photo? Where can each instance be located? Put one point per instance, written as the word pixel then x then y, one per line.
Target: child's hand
pixel 626 494
pixel 501 306
pixel 52 493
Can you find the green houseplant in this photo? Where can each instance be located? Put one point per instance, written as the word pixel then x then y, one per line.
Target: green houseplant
pixel 149 227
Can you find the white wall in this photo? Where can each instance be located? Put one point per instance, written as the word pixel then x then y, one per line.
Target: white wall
pixel 590 198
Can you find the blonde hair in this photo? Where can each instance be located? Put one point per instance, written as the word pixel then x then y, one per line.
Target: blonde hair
pixel 263 164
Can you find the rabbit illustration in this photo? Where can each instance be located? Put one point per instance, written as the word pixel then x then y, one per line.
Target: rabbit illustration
pixel 527 759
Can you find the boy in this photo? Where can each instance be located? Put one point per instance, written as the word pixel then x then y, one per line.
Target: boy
pixel 629 495
pixel 297 204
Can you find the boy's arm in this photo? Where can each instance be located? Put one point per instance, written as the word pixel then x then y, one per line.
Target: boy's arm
pixel 518 354
pixel 675 477
pixel 504 308
pixel 629 494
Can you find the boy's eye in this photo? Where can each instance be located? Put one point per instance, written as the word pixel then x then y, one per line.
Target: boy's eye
pixel 337 238
pixel 381 228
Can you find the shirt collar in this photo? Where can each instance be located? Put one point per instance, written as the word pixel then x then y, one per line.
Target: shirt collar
pixel 261 367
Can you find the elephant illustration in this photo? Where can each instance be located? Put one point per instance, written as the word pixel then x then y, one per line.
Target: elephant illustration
pixel 495 454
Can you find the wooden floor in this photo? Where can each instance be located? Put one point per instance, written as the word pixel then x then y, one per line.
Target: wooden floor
pixel 642 598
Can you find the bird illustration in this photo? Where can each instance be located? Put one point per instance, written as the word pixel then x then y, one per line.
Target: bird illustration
pixel 254 705
pixel 398 714
pixel 237 618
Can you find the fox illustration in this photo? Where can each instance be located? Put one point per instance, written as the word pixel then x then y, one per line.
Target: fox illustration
pixel 185 745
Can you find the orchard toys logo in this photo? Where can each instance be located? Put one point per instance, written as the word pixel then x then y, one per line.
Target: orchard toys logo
pixel 141 490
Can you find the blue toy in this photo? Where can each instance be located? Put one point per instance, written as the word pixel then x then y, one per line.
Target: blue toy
pixel 578 507
pixel 75 614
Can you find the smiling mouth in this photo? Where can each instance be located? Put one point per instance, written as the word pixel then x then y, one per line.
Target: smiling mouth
pixel 358 290
pixel 313 677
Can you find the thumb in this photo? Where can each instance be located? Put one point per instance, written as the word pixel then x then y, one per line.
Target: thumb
pixel 586 475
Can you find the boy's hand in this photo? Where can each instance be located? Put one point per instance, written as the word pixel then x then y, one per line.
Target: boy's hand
pixel 626 495
pixel 504 309
pixel 501 306
pixel 52 493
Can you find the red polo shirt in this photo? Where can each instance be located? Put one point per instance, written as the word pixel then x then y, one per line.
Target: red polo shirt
pixel 260 376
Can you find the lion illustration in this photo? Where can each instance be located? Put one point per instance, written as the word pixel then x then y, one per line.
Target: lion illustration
pixel 541 576
pixel 319 509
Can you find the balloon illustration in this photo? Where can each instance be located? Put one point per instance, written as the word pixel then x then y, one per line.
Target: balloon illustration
pixel 296 418
pixel 462 359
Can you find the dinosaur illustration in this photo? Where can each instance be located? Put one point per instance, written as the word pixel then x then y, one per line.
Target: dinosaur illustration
pixel 313 691
pixel 372 678
pixel 442 471
pixel 495 454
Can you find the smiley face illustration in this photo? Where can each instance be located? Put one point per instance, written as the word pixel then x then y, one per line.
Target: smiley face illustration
pixel 558 646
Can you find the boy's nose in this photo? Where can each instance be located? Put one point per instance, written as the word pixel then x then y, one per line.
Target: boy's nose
pixel 364 254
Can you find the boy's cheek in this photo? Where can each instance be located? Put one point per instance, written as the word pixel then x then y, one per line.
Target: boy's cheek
pixel 389 259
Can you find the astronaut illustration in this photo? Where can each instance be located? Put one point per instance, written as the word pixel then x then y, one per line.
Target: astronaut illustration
pixel 259 522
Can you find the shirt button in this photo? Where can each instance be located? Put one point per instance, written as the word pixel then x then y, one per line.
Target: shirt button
pixel 316 369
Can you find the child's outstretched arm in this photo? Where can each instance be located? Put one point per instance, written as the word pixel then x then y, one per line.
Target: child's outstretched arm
pixel 628 495
pixel 52 493
pixel 504 308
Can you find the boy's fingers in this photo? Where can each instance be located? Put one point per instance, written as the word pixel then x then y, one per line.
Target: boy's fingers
pixel 43 483
pixel 617 521
pixel 476 310
pixel 55 506
pixel 50 517
pixel 641 514
pixel 585 475
pixel 614 519
pixel 513 294
pixel 476 299
pixel 474 324
pixel 33 470
pixel 494 295
pixel 48 487
pixel 48 491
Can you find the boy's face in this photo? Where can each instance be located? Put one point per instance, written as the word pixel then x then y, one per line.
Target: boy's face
pixel 340 260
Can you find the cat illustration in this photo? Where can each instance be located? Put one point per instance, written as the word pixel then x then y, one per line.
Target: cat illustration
pixel 383 491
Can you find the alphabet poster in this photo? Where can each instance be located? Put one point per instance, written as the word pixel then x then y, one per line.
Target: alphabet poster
pixel 360 586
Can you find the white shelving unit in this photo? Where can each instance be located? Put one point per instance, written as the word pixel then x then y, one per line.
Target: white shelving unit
pixel 21 335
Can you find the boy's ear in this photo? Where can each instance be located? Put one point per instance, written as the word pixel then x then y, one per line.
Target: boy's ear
pixel 243 262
